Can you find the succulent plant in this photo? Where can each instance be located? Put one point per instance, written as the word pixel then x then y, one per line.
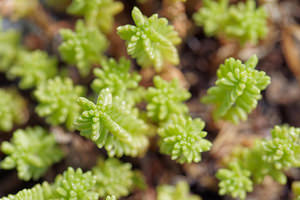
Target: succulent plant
pixel 152 41
pixel 31 151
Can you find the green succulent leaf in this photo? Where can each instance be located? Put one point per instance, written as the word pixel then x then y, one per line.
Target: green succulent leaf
pixel 243 22
pixel 13 109
pixel 235 181
pixel 179 192
pixel 114 178
pixel 32 68
pixel 9 46
pixel 152 41
pixel 110 197
pixel 31 151
pixel 165 99
pixel 58 101
pixel 117 77
pixel 237 89
pixel 38 192
pixel 112 124
pixel 83 48
pixel 183 139
pixel 97 13
pixel 268 157
pixel 296 190
pixel 74 184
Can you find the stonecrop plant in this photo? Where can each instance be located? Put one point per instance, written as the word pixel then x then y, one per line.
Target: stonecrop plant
pixel 242 22
pixel 179 192
pixel 74 184
pixel 114 178
pixel 296 190
pixel 183 138
pixel 83 48
pixel 112 124
pixel 97 13
pixel 117 77
pixel 58 101
pixel 268 157
pixel 152 41
pixel 165 99
pixel 13 109
pixel 237 89
pixel 32 68
pixel 31 151
pixel 9 46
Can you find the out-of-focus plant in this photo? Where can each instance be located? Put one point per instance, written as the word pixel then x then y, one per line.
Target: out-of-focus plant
pixel 117 77
pixel 296 190
pixel 114 178
pixel 237 89
pixel 266 158
pixel 165 99
pixel 32 68
pixel 179 192
pixel 13 109
pixel 9 46
pixel 58 101
pixel 243 22
pixel 152 41
pixel 112 124
pixel 97 13
pixel 83 48
pixel 31 151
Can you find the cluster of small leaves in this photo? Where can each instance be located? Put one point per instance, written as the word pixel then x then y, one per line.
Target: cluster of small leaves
pixel 237 89
pixel 32 68
pixel 38 192
pixel 266 158
pixel 31 151
pixel 97 13
pixel 112 124
pixel 117 77
pixel 12 109
pixel 58 101
pixel 83 48
pixel 151 41
pixel 110 197
pixel 165 99
pixel 74 184
pixel 235 181
pixel 183 138
pixel 296 190
pixel 179 192
pixel 243 22
pixel 9 46
pixel 114 178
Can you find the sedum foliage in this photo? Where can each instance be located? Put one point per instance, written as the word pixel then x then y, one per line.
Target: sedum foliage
pixel 243 22
pixel 31 151
pixel 178 192
pixel 38 192
pixel 237 89
pixel 110 198
pixel 266 158
pixel 183 139
pixel 152 41
pixel 12 109
pixel 112 124
pixel 58 101
pixel 296 190
pixel 117 77
pixel 32 68
pixel 9 46
pixel 97 13
pixel 82 48
pixel 165 99
pixel 114 178
pixel 235 181
pixel 74 184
